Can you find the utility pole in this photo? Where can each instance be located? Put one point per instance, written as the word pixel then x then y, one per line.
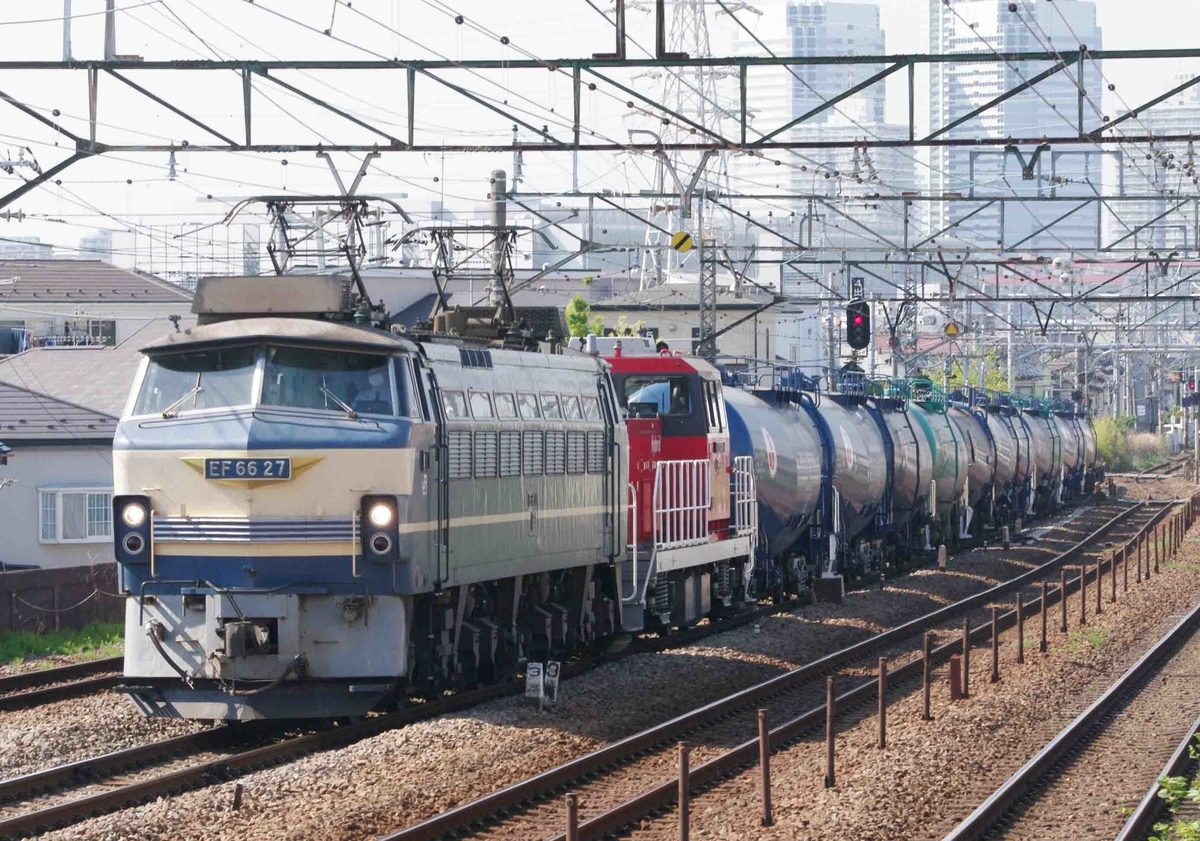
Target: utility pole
pixel 110 29
pixel 66 30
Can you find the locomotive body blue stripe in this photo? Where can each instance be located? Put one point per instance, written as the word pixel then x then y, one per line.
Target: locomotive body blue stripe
pixel 257 572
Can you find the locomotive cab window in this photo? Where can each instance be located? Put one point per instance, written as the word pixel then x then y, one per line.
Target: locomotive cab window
pixel 212 379
pixel 650 395
pixel 713 408
pixel 335 381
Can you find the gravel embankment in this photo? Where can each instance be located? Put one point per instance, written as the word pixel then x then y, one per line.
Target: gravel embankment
pixel 937 772
pixel 65 731
pixel 399 777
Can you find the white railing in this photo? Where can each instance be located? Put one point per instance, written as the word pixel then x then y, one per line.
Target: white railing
pixel 745 497
pixel 632 545
pixel 682 498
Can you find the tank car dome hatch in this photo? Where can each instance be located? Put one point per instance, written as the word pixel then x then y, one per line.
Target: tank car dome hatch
pixel 311 296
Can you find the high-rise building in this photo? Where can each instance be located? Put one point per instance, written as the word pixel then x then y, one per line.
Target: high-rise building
pixel 1164 171
pixel 98 246
pixel 956 89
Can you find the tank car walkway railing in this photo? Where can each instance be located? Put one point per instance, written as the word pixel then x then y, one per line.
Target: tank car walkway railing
pixel 682 497
pixel 745 497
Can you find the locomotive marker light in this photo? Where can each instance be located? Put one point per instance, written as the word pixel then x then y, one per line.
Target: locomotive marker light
pixel 381 528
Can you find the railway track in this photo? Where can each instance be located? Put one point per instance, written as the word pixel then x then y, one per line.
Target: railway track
pixel 1115 746
pixel 635 777
pixel 31 689
pixel 65 794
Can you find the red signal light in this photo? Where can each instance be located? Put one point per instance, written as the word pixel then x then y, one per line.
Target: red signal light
pixel 858 319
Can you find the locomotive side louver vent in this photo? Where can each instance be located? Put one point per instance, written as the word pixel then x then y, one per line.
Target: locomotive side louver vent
pixel 533 461
pixel 556 453
pixel 460 454
pixel 474 358
pixel 485 455
pixel 576 452
pixel 595 452
pixel 510 454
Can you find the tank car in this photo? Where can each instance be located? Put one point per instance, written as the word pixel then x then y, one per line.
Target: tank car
pixel 1046 446
pixel 981 464
pixel 951 460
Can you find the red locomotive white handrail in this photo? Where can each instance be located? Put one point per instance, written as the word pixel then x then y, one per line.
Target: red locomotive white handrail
pixel 682 498
pixel 745 497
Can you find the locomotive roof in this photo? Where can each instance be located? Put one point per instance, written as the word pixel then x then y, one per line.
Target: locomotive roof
pixel 519 358
pixel 302 330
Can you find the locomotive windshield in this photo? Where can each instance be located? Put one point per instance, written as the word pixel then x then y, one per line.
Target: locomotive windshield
pixel 186 382
pixel 655 394
pixel 304 378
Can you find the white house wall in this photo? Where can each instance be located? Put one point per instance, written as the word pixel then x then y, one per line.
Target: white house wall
pixel 33 468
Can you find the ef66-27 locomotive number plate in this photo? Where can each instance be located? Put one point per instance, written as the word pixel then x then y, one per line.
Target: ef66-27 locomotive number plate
pixel 256 469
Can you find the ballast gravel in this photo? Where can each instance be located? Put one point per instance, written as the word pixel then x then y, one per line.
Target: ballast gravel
pixel 933 774
pixel 403 776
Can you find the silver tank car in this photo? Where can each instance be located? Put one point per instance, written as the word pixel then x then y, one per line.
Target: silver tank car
pixel 1072 453
pixel 981 453
pixel 859 463
pixel 912 467
pixel 786 446
pixel 1006 445
pixel 1047 453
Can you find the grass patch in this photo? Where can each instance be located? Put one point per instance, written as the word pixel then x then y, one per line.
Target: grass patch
pixel 1189 567
pixel 101 639
pixel 1093 636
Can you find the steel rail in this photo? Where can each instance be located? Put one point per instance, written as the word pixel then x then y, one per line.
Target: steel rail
pixel 539 785
pixel 88 770
pixel 1142 821
pixel 744 755
pixel 1077 733
pixel 41 677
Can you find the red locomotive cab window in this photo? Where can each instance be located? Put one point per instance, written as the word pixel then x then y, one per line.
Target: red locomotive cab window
pixel 676 399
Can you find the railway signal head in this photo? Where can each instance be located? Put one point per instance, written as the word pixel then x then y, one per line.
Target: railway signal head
pixel 858 324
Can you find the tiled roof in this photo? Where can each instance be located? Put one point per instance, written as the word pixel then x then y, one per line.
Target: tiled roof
pixel 81 281
pixel 27 417
pixel 96 378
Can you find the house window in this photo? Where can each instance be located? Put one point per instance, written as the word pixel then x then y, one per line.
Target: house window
pixel 75 516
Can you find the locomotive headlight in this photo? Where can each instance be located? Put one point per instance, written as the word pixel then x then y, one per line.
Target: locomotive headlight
pixel 381 515
pixel 134 514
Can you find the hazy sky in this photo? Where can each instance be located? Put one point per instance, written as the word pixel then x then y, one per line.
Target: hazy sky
pixel 173 29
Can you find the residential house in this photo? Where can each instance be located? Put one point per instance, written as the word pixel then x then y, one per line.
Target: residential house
pixel 59 408
pixel 71 302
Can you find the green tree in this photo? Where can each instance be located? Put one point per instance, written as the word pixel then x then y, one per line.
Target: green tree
pixel 995 377
pixel 624 328
pixel 580 320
